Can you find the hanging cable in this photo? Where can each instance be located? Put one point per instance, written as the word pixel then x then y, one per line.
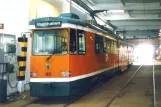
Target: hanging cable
pixel 9 83
pixel 8 76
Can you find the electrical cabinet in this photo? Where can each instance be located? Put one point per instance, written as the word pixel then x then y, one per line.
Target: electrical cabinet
pixel 3 90
pixel 7 61
pixel 2 59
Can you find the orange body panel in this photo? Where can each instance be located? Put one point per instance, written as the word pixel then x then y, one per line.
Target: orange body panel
pixel 58 64
pixel 91 62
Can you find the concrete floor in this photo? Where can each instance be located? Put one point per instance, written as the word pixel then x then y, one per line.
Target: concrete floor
pixel 138 93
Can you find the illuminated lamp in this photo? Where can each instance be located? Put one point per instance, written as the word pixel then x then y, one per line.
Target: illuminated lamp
pixel 160 34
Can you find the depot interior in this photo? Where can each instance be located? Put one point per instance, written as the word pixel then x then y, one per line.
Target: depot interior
pixel 138 24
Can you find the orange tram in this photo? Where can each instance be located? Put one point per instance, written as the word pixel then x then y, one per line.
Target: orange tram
pixel 70 57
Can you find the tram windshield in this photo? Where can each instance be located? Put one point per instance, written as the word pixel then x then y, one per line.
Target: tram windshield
pixel 47 42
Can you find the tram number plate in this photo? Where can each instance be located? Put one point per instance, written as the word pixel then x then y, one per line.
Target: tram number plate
pixel 48 73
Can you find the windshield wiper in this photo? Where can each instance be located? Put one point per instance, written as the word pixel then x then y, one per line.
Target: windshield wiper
pixel 55 51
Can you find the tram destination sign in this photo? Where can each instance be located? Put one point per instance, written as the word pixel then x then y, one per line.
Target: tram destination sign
pixel 46 24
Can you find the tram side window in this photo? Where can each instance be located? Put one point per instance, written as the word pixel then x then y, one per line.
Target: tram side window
pixel 99 48
pixel 81 42
pixel 73 49
pixel 111 47
pixel 118 46
pixel 126 48
pixel 115 48
pixel 105 44
pixel 108 46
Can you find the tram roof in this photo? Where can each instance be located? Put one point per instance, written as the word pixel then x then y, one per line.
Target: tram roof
pixel 76 22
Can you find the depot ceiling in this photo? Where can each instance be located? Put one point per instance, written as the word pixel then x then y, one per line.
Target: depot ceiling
pixel 136 19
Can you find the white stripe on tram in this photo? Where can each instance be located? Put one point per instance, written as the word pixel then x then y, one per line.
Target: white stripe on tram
pixel 70 78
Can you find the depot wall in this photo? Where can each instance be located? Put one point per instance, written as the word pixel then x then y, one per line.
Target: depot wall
pixel 14 15
pixel 41 8
pixel 49 8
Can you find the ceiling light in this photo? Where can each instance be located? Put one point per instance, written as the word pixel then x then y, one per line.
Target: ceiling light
pixel 160 30
pixel 115 11
pixel 160 34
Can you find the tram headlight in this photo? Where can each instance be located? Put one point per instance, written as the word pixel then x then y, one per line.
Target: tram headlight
pixel 65 74
pixel 33 74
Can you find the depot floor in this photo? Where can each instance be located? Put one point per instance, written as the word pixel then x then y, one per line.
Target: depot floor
pixel 137 93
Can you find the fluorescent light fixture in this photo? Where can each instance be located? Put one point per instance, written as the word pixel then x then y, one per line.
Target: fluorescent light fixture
pixel 160 34
pixel 115 11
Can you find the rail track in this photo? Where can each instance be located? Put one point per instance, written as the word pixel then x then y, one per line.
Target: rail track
pixel 128 81
pixel 119 91
pixel 154 95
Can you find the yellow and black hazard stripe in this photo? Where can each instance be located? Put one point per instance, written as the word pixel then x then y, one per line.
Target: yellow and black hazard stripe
pixel 22 58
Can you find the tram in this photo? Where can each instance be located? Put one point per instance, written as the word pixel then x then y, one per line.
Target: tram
pixel 70 57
